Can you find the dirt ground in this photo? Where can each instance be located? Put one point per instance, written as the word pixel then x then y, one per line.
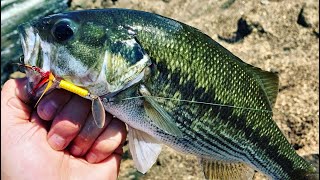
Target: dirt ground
pixel 275 35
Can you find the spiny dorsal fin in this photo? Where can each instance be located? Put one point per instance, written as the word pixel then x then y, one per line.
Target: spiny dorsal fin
pixel 269 81
pixel 158 115
pixel 220 170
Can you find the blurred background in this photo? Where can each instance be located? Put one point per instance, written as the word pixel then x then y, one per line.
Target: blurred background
pixel 276 35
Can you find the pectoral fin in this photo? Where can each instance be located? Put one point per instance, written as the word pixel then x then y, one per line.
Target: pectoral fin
pixel 144 149
pixel 159 116
pixel 98 112
pixel 219 170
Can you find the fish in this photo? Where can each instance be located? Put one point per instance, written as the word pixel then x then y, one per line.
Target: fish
pixel 171 84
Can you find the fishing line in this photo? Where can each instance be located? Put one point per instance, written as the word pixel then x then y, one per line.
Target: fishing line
pixel 198 102
pixel 213 104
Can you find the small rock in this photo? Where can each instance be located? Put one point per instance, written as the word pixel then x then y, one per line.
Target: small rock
pixel 302 20
pixel 227 4
pixel 245 28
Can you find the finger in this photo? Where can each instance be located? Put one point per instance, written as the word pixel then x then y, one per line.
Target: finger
pixel 67 124
pixel 112 137
pixel 12 104
pixel 15 88
pixel 87 136
pixel 21 90
pixel 52 103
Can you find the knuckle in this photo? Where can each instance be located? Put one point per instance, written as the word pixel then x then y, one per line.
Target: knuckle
pixel 83 139
pixel 72 126
pixel 106 146
pixel 67 127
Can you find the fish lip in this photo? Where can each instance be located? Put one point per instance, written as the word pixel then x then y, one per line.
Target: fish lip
pixel 29 42
pixel 23 37
pixel 30 45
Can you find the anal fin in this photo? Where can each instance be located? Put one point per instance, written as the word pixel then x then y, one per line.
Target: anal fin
pixel 221 170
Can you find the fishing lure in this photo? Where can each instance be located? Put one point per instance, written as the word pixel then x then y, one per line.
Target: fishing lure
pixel 97 107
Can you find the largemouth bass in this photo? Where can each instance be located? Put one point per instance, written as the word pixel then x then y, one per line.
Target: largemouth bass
pixel 171 84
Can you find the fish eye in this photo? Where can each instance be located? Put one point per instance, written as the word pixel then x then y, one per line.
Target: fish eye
pixel 62 30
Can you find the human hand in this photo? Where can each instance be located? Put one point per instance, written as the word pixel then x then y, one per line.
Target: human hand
pixel 72 147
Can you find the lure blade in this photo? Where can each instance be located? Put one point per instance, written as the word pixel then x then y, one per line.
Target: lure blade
pixel 98 112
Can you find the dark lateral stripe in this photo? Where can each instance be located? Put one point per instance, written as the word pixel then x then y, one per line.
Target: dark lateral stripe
pixel 204 148
pixel 201 95
pixel 219 143
pixel 208 146
pixel 248 157
pixel 227 143
pixel 212 147
pixel 224 113
pixel 200 135
pixel 243 155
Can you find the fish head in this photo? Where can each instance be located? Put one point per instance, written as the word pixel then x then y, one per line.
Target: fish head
pixel 88 51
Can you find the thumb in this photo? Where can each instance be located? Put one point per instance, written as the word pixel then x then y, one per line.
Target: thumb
pixel 13 107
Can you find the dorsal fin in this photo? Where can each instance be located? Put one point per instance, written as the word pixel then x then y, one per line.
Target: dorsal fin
pixel 269 81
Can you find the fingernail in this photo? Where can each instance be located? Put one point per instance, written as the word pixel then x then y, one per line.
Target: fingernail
pixel 57 142
pixel 75 150
pixel 91 157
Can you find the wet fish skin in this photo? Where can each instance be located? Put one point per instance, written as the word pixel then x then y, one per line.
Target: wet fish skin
pixel 184 64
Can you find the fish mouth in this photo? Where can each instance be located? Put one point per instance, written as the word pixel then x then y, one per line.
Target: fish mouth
pixel 30 41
